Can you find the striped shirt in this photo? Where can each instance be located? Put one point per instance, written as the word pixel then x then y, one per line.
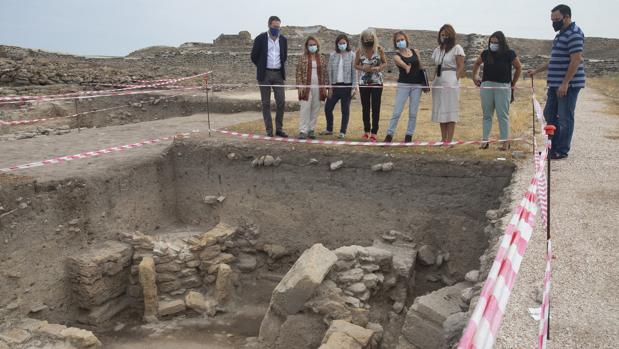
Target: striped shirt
pixel 567 42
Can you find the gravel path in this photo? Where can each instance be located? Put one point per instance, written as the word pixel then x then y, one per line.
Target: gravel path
pixel 585 208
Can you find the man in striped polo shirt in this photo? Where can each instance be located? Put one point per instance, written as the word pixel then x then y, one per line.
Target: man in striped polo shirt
pixel 566 76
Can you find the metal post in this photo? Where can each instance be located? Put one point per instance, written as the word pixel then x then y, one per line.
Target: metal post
pixel 208 109
pixel 550 131
pixel 533 110
pixel 77 115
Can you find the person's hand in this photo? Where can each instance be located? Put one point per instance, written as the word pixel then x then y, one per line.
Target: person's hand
pixel 329 93
pixel 353 92
pixel 530 73
pixel 562 90
pixel 477 82
pixel 367 68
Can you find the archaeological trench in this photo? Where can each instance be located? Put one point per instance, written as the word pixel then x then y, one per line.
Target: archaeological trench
pixel 218 243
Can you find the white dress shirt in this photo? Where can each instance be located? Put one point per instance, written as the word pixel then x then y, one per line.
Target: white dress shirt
pixel 273 57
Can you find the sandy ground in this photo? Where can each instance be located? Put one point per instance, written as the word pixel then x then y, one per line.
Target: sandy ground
pixel 585 206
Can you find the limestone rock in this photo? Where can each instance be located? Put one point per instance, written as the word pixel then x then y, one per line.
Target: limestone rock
pixel 269 160
pixel 100 274
pixel 334 166
pixel 352 275
pixel 302 280
pixel 171 307
pixel 81 338
pixel 472 276
pixel 224 286
pixel 426 255
pixel 148 281
pixel 343 334
pixel 274 251
pixel 247 263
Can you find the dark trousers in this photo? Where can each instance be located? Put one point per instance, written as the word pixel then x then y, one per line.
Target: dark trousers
pixel 370 101
pixel 341 93
pixel 559 112
pixel 272 78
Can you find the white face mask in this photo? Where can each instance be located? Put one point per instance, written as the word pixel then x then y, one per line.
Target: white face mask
pixel 312 48
pixel 494 47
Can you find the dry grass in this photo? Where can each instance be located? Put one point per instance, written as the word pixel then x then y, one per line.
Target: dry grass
pixel 468 128
pixel 609 87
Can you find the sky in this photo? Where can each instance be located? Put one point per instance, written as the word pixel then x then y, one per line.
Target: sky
pixel 118 27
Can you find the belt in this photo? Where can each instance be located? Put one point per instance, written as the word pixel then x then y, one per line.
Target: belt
pixel 448 69
pixel 269 69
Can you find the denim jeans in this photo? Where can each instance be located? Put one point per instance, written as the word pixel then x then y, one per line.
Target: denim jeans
pixel 341 93
pixel 559 112
pixel 403 93
pixel 495 99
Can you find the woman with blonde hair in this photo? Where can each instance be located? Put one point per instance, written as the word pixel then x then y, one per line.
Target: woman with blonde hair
pixel 449 60
pixel 311 78
pixel 370 60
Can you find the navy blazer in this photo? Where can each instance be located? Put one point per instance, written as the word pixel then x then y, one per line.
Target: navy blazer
pixel 259 54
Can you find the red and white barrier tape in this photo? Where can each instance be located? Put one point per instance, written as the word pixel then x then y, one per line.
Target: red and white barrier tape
pixel 91 154
pixel 92 94
pixel 33 121
pixel 545 309
pixel 388 85
pixel 483 327
pixel 354 143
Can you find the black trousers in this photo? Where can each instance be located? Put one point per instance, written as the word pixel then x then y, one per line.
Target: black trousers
pixel 370 104
pixel 273 78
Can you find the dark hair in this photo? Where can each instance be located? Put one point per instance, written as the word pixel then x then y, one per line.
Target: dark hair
pixel 451 34
pixel 563 9
pixel 398 33
pixel 273 19
pixel 340 38
pixel 503 46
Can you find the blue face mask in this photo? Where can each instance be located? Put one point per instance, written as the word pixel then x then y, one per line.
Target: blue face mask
pixel 494 47
pixel 312 48
pixel 342 47
pixel 401 44
pixel 274 31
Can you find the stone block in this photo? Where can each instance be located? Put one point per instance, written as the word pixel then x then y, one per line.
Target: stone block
pixel 148 281
pixel 171 307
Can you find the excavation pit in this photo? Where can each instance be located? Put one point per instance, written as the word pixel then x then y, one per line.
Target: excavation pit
pixel 276 212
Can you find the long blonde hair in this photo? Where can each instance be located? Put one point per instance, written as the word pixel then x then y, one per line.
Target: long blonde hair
pixel 366 34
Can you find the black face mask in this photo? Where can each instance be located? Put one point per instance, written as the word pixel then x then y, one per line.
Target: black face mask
pixel 368 44
pixel 557 25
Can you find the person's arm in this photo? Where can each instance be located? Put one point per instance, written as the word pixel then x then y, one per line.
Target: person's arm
pixel 400 63
pixel 418 58
pixel 383 59
pixel 476 66
pixel 575 60
pixel 518 67
pixel 330 73
pixel 459 67
pixel 531 72
pixel 358 64
pixel 255 50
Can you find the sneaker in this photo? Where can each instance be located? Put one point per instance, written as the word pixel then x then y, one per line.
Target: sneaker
pixel 388 139
pixel 269 133
pixel 311 135
pixel 302 135
pixel 372 138
pixel 281 133
pixel 341 136
pixel 555 156
pixel 366 136
pixel 408 138
pixel 326 133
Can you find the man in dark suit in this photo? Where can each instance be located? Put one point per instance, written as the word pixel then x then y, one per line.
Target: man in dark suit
pixel 269 54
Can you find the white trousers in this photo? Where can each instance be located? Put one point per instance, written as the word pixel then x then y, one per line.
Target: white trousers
pixel 309 111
